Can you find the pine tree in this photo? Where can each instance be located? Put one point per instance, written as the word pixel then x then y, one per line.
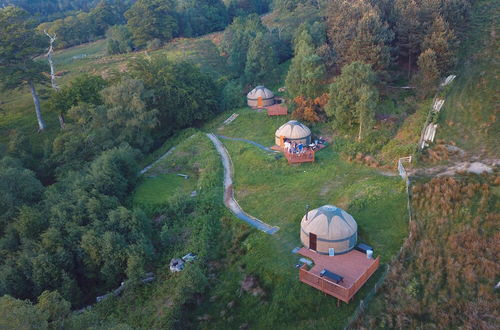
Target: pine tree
pixel 307 71
pixel 261 60
pixel 409 31
pixel 237 38
pixel 441 39
pixel 358 33
pixel 428 76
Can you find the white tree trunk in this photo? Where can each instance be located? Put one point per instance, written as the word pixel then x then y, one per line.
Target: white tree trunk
pixel 360 134
pixel 51 62
pixel 53 72
pixel 36 101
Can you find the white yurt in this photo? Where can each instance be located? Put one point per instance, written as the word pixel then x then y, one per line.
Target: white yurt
pixel 329 227
pixel 260 97
pixel 294 131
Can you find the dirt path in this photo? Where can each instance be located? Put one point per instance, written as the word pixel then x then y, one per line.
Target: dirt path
pixel 473 165
pixel 150 166
pixel 229 200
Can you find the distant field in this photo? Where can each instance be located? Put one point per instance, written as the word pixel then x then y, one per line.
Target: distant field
pixel 17 105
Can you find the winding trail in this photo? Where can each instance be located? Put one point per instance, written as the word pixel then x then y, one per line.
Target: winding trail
pixel 258 145
pixel 229 200
pixel 150 166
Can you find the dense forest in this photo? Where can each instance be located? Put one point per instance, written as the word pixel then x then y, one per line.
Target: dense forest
pixel 68 231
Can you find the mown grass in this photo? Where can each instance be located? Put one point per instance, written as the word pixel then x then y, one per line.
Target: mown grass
pixel 158 190
pixel 469 116
pixel 278 193
pixel 162 183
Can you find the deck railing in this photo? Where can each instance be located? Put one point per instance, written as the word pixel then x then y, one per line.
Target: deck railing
pixel 363 278
pixel 334 289
pixel 302 157
pixel 323 284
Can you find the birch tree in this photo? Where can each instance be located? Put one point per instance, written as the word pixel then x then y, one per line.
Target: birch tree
pixel 353 99
pixel 19 46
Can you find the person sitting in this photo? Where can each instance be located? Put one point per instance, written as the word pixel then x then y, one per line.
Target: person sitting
pixel 287 145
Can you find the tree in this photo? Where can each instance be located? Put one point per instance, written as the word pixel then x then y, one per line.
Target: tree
pixel 19 314
pixel 183 95
pixel 357 33
pixel 306 73
pixel 202 16
pixel 428 75
pixel 237 38
pixel 119 40
pixel 54 307
pixel 261 60
pixel 18 186
pixel 19 46
pixel 442 41
pixel 82 89
pixel 247 7
pixel 127 114
pixel 353 98
pixel 310 109
pixel 152 19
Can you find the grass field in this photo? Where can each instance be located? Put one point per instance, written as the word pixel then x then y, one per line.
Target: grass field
pixel 277 193
pixel 470 115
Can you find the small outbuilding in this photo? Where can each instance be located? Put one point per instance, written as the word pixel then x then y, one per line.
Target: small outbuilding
pixel 294 131
pixel 329 227
pixel 260 97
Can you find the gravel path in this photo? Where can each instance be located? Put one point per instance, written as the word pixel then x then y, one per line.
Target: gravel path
pixel 229 200
pixel 258 145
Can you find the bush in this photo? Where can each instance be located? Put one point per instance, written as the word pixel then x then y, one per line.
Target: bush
pixel 154 44
pixel 232 96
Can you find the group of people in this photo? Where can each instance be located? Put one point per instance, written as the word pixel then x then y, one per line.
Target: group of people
pixel 293 147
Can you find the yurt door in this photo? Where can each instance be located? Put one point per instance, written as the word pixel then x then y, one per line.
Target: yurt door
pixel 259 102
pixel 312 241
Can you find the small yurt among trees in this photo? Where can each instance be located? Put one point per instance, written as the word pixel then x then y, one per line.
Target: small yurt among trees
pixel 260 97
pixel 293 131
pixel 329 227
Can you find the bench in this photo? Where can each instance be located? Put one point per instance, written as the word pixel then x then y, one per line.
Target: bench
pixel 332 276
pixel 361 247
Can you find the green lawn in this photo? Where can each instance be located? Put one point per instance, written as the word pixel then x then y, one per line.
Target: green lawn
pixel 277 193
pixel 161 183
pixel 160 189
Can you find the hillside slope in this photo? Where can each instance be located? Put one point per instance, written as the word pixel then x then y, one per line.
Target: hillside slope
pixel 470 115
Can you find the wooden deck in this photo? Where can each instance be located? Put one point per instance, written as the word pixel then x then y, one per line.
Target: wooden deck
pixel 277 110
pixel 306 156
pixel 353 266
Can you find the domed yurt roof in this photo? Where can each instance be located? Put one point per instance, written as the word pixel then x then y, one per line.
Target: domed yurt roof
pixel 260 91
pixel 333 227
pixel 293 130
